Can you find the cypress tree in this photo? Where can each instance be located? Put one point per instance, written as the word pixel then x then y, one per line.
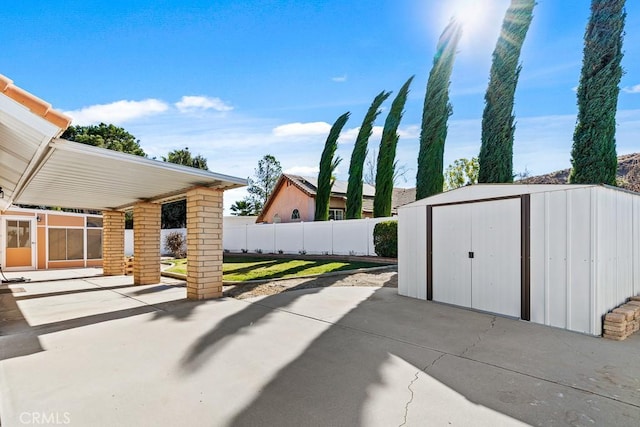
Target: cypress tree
pixel 358 156
pixel 436 112
pixel 387 154
pixel 327 166
pixel 496 152
pixel 593 155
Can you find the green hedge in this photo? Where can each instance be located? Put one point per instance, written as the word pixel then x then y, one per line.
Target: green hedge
pixel 385 239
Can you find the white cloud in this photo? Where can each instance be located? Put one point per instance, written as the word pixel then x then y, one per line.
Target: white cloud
pixel 349 136
pixel 189 104
pixel 302 170
pixel 302 129
pixel 631 89
pixel 117 112
pixel 339 79
pixel 412 131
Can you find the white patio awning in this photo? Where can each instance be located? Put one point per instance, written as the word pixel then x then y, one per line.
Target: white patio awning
pixel 37 168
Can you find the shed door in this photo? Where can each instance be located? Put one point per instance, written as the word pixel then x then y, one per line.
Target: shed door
pixel 477 255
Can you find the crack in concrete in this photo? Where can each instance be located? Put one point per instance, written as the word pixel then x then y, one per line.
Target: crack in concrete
pixel 493 323
pixel 439 350
pixel 431 365
pixel 406 407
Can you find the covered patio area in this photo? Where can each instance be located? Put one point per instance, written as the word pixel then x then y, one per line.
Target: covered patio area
pixel 39 168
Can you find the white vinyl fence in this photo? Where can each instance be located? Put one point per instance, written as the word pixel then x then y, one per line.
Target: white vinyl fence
pixel 347 237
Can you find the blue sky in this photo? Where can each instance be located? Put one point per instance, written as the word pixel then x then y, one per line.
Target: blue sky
pixel 235 80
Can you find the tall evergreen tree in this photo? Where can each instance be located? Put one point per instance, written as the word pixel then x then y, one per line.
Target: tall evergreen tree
pixel 436 112
pixel 328 165
pixel 496 152
pixel 358 156
pixel 593 156
pixel 387 154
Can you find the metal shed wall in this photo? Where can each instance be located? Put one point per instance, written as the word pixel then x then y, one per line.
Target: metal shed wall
pixel 584 253
pixel 412 252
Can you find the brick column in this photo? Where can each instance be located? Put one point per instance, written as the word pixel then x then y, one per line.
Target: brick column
pixel 146 243
pixel 204 243
pixel 113 243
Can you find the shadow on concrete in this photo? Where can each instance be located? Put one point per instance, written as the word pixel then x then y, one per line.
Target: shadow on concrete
pixel 158 288
pixel 498 369
pixel 19 338
pixel 332 395
pixel 337 380
pixel 11 318
pixel 235 324
pixel 69 292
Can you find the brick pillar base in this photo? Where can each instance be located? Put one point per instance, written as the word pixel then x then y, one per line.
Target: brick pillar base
pixel 113 243
pixel 146 243
pixel 204 243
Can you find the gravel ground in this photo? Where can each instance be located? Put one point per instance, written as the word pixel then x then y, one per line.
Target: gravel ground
pixel 379 278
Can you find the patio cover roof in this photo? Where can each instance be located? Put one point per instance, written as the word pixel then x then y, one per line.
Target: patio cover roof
pixel 37 168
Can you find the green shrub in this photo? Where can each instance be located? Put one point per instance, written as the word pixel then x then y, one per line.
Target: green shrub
pixel 385 239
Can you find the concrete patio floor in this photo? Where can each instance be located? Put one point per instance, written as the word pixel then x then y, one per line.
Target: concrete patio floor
pixel 101 352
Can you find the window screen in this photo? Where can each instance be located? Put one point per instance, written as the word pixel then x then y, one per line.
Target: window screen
pixel 66 244
pixel 94 244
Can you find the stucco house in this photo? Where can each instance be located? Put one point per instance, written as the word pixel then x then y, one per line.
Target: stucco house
pixel 294 199
pixel 39 239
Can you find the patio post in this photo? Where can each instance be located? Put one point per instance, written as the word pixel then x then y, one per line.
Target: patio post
pixel 146 243
pixel 204 243
pixel 113 243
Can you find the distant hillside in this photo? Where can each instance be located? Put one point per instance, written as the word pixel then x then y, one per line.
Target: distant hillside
pixel 628 174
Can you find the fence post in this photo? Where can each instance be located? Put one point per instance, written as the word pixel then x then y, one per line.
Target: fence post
pixel 332 244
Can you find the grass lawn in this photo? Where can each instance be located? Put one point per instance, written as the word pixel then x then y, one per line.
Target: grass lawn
pixel 243 268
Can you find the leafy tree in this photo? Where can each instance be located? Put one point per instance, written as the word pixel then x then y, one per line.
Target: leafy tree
pixel 387 154
pixel 264 181
pixel 593 155
pixel 354 186
pixel 174 214
pixel 243 207
pixel 496 151
pixel 460 173
pixel 106 136
pixel 436 112
pixel 184 157
pixel 328 165
pixel 399 171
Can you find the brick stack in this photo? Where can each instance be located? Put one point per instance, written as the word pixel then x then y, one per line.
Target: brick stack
pixel 128 266
pixel 622 321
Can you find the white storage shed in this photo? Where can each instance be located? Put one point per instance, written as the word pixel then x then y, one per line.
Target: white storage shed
pixel 558 255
